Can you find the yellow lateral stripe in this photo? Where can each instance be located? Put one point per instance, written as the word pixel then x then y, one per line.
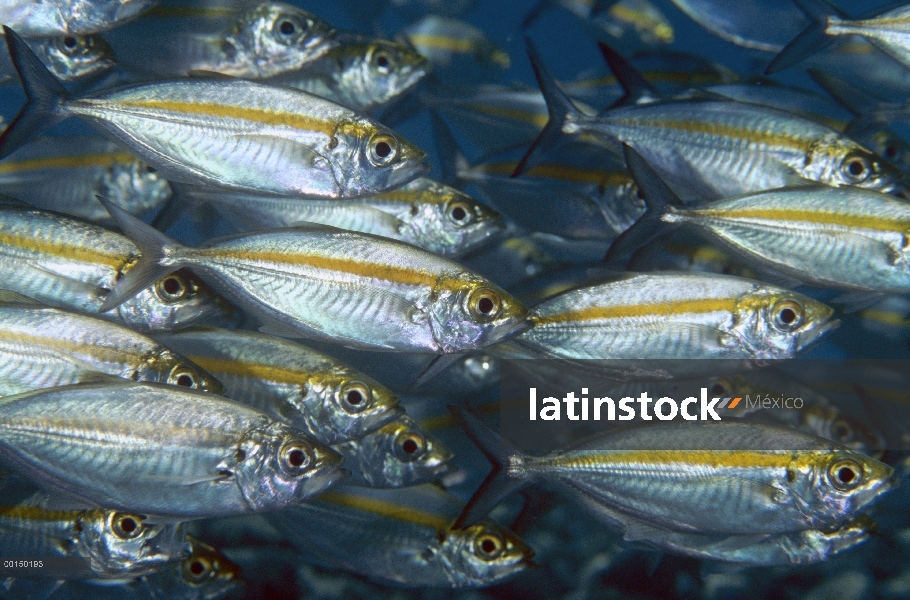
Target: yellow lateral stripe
pixel 241 368
pixel 749 459
pixel 725 131
pixel 538 120
pixel 884 316
pixel 35 513
pixel 440 42
pixel 812 216
pixel 263 116
pixel 390 273
pixel 563 173
pixel 67 162
pixel 95 350
pixel 387 509
pixel 409 196
pixel 621 311
pixel 61 250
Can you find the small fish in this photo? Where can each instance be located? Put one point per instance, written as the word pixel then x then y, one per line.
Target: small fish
pixel 44 347
pixel 76 59
pixel 425 213
pixel 69 17
pixel 365 74
pixel 258 138
pixel 161 451
pixel 399 454
pixel 843 238
pixel 456 48
pixel 266 39
pixel 65 174
pixel 115 544
pixel 714 478
pixel 290 382
pixel 355 289
pixel 402 537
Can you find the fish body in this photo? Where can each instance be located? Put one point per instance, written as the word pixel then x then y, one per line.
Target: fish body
pixel 456 48
pixel 295 384
pixel 161 451
pixel 233 134
pixel 59 18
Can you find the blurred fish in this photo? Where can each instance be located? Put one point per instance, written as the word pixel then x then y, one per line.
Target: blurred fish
pixel 44 347
pixel 69 17
pixel 678 255
pixel 716 478
pixel 67 263
pixel 65 175
pixel 358 290
pixel 457 50
pixel 845 238
pixel 889 30
pixel 290 382
pixel 707 149
pixel 115 544
pixel 365 74
pixel 313 147
pixel 764 25
pixel 425 213
pixel 399 454
pixel 402 537
pixel 73 59
pixel 161 451
pixel 266 39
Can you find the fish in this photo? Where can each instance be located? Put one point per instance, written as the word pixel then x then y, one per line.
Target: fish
pixel 708 149
pixel 363 73
pixel 258 138
pixel 44 347
pixel 266 39
pixel 402 537
pixel 728 478
pixel 66 17
pixel 161 451
pixel 355 289
pixel 290 382
pixel 65 175
pixel 456 48
pixel 887 30
pixel 845 238
pixel 115 545
pixel 68 263
pixel 73 59
pixel 425 213
pixel 397 455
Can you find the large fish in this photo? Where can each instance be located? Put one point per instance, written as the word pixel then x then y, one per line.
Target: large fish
pixel 233 134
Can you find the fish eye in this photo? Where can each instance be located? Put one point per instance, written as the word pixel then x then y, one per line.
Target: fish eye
pixel 489 545
pixel 150 169
pixel 184 378
pixel 126 527
pixel 383 62
pixel 890 151
pixel 485 304
pixel 788 315
pixel 842 431
pixel 171 289
pixel 196 569
pixel 720 387
pixel 72 44
pixel 382 150
pixel 460 213
pixel 295 458
pixel 409 446
pixel 856 169
pixel 355 397
pixel 845 474
pixel 289 29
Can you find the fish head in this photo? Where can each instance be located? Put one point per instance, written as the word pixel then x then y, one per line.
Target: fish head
pixel 778 323
pixel 403 454
pixel 174 302
pixel 832 424
pixel 275 466
pixel 892 148
pixel 369 158
pixel 450 222
pixel 173 369
pixel 76 57
pixel 838 162
pixel 205 574
pixel 343 405
pixel 134 185
pixel 484 554
pixel 379 71
pixel 124 545
pixel 280 37
pixel 473 313
pixel 826 544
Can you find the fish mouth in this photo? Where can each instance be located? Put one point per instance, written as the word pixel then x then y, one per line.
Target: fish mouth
pixel 409 170
pixel 506 331
pixel 809 338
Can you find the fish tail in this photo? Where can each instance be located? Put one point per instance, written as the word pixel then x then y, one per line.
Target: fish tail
pixel 659 199
pixel 499 483
pixel 43 92
pixel 154 246
pixel 560 107
pixel 636 87
pixel 812 39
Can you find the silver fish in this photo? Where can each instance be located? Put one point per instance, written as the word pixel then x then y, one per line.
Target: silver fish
pixel 456 48
pixel 355 289
pixel 257 138
pixel 290 382
pixel 77 59
pixel 161 451
pixel 62 17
